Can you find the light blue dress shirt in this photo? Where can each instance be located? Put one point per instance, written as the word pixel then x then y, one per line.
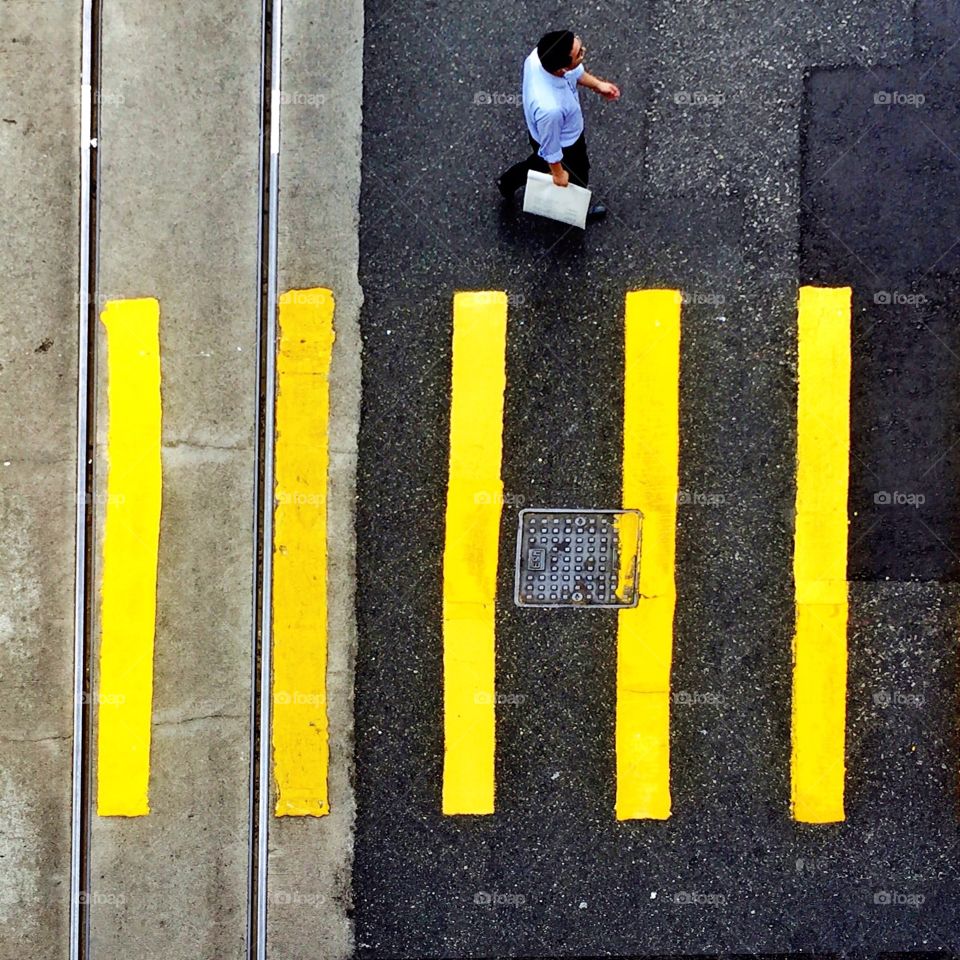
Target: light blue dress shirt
pixel 551 106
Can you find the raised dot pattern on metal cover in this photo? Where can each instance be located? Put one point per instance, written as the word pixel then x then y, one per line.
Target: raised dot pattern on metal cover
pixel 568 559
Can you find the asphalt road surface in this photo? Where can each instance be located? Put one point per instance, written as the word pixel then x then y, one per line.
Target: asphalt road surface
pixel 747 156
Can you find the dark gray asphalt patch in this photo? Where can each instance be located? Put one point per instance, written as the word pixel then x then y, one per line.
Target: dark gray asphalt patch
pixel 881 213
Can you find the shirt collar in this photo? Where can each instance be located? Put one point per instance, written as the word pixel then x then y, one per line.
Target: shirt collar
pixel 556 81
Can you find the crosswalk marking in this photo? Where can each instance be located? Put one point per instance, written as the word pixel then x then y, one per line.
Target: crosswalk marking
pixel 131 538
pixel 820 555
pixel 300 731
pixel 474 498
pixel 651 445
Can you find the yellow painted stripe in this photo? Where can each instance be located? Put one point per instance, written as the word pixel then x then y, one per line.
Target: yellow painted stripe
pixel 820 555
pixel 627 529
pixel 130 544
pixel 651 447
pixel 471 547
pixel 300 734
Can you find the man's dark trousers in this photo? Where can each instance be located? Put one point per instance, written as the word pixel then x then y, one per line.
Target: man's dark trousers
pixel 574 161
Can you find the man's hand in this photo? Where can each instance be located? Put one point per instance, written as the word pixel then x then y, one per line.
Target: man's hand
pixel 609 91
pixel 560 176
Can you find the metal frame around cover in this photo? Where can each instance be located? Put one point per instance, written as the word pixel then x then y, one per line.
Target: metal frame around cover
pixel 573 606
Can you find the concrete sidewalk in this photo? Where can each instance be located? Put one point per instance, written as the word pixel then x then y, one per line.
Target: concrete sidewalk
pixel 39 159
pixel 178 221
pixel 311 859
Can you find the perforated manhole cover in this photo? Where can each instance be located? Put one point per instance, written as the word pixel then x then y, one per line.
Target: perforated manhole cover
pixel 577 558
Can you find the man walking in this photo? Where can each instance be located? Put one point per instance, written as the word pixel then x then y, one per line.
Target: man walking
pixel 551 106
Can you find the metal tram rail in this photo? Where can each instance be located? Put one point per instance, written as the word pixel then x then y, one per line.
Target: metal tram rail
pixel 263 508
pixel 259 793
pixel 86 311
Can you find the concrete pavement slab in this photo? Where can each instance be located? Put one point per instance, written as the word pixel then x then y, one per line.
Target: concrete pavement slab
pixel 36 555
pixel 179 209
pixel 310 898
pixel 39 148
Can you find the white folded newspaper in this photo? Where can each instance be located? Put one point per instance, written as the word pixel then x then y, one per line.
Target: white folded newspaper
pixel 567 204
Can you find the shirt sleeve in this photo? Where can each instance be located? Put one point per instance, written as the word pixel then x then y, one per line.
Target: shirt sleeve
pixel 574 75
pixel 549 123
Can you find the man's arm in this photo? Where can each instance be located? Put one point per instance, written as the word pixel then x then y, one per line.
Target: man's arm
pixel 609 91
pixel 548 127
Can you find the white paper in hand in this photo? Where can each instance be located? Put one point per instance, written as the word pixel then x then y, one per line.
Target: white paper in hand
pixel 567 204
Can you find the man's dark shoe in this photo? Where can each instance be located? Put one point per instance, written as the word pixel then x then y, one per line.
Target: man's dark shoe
pixel 504 192
pixel 597 212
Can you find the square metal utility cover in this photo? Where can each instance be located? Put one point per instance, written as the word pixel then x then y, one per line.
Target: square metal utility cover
pixel 577 558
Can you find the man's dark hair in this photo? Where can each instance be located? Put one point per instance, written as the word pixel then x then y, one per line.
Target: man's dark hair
pixel 554 50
